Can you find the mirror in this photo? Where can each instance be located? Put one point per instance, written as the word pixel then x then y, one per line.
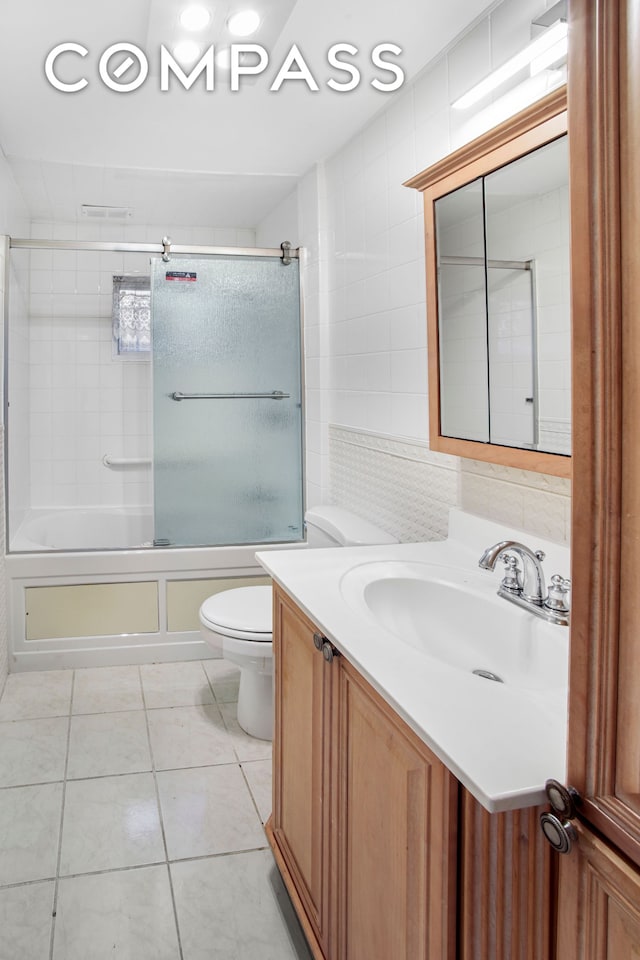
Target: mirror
pixel 498 292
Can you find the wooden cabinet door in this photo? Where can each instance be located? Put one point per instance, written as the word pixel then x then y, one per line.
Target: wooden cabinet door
pixel 394 826
pixel 599 884
pixel 298 825
pixel 600 903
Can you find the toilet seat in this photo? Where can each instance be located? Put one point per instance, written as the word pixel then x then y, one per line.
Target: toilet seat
pixel 244 613
pixel 238 623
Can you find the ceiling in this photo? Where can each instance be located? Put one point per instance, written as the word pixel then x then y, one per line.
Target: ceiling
pixel 194 157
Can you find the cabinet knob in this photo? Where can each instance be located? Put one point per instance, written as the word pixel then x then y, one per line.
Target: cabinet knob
pixel 329 651
pixel 557 826
pixel 563 800
pixel 318 641
pixel 561 834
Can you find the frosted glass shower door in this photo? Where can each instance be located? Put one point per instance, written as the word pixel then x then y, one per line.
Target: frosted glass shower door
pixel 227 401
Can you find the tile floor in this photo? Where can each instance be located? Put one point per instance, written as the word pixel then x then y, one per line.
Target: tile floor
pixel 131 812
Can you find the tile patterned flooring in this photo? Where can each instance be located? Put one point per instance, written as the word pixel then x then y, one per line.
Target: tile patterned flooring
pixel 131 812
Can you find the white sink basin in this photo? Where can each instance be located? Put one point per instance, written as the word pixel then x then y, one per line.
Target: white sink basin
pixel 455 617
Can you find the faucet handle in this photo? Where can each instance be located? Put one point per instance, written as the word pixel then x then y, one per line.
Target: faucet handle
pixel 558 590
pixel 512 580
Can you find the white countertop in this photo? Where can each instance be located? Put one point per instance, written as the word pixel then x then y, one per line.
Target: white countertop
pixel 501 743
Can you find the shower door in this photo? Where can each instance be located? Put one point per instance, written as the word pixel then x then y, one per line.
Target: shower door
pixel 227 401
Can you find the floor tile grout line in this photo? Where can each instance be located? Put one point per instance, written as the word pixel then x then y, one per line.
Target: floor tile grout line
pixel 161 819
pixel 135 866
pixel 54 908
pixel 221 705
pixel 48 716
pixel 253 799
pixel 26 883
pixel 150 769
pixel 37 783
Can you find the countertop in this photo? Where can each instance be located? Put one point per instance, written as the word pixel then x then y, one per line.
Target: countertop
pixel 500 743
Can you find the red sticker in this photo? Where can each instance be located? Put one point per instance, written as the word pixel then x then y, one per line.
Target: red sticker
pixel 184 277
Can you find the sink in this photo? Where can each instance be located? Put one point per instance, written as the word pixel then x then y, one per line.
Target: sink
pixel 455 617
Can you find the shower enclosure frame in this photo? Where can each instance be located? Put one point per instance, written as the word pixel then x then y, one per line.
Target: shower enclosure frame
pixel 165 249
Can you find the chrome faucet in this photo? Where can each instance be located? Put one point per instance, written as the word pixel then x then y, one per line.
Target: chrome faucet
pixel 528 589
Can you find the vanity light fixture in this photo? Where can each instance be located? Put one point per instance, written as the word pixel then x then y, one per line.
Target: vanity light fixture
pixel 243 23
pixel 545 50
pixel 186 51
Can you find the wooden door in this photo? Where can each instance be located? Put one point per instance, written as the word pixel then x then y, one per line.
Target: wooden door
pixel 602 889
pixel 599 881
pixel 395 832
pixel 298 827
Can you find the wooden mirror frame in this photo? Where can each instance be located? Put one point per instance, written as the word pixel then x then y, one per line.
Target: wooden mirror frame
pixel 541 123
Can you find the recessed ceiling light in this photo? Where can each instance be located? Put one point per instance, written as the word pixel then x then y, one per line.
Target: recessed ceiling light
pixel 195 18
pixel 186 51
pixel 243 23
pixel 223 59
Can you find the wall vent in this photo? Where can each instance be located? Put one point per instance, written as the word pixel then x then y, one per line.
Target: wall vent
pixel 96 212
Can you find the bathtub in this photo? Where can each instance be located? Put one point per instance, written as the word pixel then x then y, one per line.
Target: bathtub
pixel 69 572
pixel 98 528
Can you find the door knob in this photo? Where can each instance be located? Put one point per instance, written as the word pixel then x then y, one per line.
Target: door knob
pixel 561 834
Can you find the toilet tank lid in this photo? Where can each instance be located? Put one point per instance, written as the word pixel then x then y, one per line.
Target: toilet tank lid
pixel 242 608
pixel 345 527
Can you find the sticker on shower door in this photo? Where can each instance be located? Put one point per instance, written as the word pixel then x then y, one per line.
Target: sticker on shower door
pixel 181 276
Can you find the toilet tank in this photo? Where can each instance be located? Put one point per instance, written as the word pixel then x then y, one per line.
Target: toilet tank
pixel 329 526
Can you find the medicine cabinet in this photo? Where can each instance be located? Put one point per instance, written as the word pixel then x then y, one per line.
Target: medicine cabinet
pixel 497 231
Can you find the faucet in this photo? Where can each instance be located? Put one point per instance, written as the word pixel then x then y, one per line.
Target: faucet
pixel 528 590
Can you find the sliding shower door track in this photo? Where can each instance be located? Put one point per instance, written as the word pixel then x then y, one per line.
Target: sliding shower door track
pixel 157 248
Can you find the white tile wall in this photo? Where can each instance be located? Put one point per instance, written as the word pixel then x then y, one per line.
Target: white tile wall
pixel 410 490
pixel 365 292
pixel 19 464
pixel 534 502
pixel 311 224
pixel 13 221
pixel 364 278
pixel 83 402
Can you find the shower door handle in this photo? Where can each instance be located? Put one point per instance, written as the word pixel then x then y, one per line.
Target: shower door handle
pixel 274 395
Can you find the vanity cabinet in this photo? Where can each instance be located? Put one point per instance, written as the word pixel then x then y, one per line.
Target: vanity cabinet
pixel 299 827
pixel 394 843
pixel 363 825
pixel 384 854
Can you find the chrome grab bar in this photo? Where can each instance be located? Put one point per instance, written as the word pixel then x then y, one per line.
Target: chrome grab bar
pixel 274 395
pixel 110 461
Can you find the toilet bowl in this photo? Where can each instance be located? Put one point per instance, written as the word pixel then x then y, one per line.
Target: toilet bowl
pixel 238 623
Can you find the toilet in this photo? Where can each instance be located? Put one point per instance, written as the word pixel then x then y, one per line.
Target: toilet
pixel 238 623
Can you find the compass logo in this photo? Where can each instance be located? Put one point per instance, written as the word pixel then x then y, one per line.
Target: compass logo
pixel 124 67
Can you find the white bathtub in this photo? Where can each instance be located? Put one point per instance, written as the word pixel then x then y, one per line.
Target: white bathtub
pixel 93 528
pixel 78 547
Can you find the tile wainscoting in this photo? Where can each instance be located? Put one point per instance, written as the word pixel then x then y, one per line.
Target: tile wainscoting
pixel 408 490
